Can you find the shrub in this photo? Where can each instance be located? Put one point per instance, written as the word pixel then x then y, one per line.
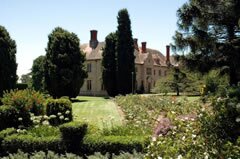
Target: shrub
pixel 8 117
pixel 3 134
pixel 21 86
pixel 59 111
pixel 36 139
pixel 25 101
pixel 113 144
pixel 72 135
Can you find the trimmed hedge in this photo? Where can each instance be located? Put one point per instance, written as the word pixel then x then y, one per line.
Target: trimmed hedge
pixel 72 135
pixel 3 134
pixel 28 143
pixel 59 110
pixel 113 144
pixel 8 117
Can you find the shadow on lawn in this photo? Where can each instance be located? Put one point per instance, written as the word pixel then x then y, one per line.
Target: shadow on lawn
pixel 75 100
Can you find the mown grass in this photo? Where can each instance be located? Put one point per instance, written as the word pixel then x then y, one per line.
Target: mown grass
pixel 97 111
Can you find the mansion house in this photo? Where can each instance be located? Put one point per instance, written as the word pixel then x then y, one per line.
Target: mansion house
pixel 150 65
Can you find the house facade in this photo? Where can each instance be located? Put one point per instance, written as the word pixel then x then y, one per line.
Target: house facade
pixel 150 65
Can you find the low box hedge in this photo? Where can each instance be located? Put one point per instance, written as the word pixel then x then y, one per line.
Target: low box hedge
pixel 72 135
pixel 28 143
pixel 113 144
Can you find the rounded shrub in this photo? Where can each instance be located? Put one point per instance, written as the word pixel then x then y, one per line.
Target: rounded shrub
pixel 8 117
pixel 59 111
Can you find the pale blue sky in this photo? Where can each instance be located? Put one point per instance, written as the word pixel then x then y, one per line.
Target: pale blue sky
pixel 29 22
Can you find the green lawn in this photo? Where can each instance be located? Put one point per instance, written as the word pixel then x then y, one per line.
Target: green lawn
pixel 97 111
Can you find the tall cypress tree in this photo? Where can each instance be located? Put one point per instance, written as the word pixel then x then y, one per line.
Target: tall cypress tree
pixel 109 65
pixel 38 80
pixel 125 54
pixel 64 73
pixel 8 65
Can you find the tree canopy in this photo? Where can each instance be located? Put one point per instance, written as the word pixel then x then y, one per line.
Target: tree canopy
pixel 210 30
pixel 109 65
pixel 64 69
pixel 125 54
pixel 8 65
pixel 38 80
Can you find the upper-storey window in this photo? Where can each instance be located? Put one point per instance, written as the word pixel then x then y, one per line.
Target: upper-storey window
pixel 159 72
pixel 149 71
pixel 89 67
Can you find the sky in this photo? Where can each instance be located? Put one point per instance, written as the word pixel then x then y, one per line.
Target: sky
pixel 29 22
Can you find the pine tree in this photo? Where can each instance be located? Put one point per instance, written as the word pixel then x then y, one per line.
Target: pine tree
pixel 109 65
pixel 8 65
pixel 210 29
pixel 64 73
pixel 125 54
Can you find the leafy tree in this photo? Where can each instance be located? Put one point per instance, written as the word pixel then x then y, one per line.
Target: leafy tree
pixel 179 80
pixel 38 80
pixel 8 65
pixel 210 30
pixel 27 79
pixel 125 54
pixel 64 69
pixel 109 65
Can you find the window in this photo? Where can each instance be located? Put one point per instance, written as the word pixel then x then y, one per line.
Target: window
pixel 102 87
pixel 165 73
pixel 154 72
pixel 149 71
pixel 136 69
pixel 89 85
pixel 159 72
pixel 89 67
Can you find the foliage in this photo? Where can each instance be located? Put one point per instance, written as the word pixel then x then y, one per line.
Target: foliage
pixel 142 112
pixel 64 69
pixel 4 133
pixel 8 117
pixel 59 111
pixel 25 100
pixel 125 54
pixel 37 139
pixel 214 82
pixel 113 144
pixel 179 80
pixel 38 80
pixel 72 135
pixel 210 30
pixel 26 79
pixel 21 86
pixel 109 65
pixel 53 155
pixel 8 65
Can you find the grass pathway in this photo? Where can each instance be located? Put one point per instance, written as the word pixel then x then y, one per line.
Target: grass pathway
pixel 97 111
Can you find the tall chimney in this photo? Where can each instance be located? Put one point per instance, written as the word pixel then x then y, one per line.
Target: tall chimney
pixel 93 39
pixel 135 40
pixel 144 48
pixel 167 54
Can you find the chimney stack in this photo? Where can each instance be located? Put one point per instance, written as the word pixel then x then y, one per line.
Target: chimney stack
pixel 93 39
pixel 144 47
pixel 167 54
pixel 135 40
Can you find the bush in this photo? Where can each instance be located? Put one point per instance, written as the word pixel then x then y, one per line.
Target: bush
pixel 25 101
pixel 113 144
pixel 72 135
pixel 8 117
pixel 59 111
pixel 36 139
pixel 21 86
pixel 3 134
